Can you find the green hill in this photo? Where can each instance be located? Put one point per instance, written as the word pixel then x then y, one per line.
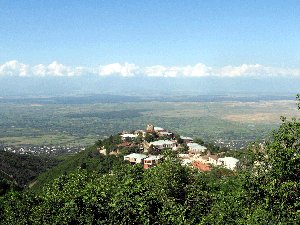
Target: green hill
pixel 89 159
pixel 18 170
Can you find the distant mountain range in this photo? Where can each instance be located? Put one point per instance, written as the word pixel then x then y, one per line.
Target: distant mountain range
pixel 148 86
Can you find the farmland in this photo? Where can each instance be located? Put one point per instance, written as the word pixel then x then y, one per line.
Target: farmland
pixel 54 123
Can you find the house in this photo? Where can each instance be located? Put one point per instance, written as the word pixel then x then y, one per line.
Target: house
pixel 128 136
pixel 228 162
pixel 102 150
pixel 195 148
pixel 165 133
pixel 186 139
pixel 159 129
pixel 147 132
pixel 186 162
pixel 135 158
pixel 152 161
pixel 201 166
pixel 213 159
pixel 163 144
pixel 204 159
pixel 184 156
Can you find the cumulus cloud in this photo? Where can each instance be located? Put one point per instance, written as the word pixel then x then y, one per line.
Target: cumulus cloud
pixel 189 71
pixel 15 68
pixel 116 68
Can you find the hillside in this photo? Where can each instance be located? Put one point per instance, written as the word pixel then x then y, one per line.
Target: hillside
pixel 20 169
pixel 90 160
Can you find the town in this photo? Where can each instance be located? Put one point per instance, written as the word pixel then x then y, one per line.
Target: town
pixel 146 146
pixel 44 150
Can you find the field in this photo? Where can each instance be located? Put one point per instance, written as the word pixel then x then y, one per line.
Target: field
pixel 227 122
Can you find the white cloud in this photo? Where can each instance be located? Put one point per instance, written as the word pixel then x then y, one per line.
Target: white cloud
pixel 15 68
pixel 59 70
pixel 155 71
pixel 116 68
pixel 255 71
pixel 39 70
pixel 188 71
pixel 244 70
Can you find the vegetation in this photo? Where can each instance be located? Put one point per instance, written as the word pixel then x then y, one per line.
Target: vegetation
pixel 167 194
pixel 91 188
pixel 90 160
pixel 18 170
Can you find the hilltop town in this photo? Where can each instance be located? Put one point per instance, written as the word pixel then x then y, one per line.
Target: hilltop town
pixel 147 147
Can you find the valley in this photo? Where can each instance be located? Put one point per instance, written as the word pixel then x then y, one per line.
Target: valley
pixel 43 122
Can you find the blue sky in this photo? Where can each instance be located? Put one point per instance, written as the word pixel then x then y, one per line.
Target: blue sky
pixel 172 35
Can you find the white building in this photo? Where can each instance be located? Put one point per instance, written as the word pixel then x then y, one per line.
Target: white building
pixel 135 158
pixel 195 148
pixel 159 129
pixel 186 139
pixel 163 144
pixel 131 136
pixel 228 162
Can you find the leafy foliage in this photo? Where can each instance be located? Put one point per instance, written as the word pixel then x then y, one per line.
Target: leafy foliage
pixel 276 169
pixel 90 160
pixel 18 170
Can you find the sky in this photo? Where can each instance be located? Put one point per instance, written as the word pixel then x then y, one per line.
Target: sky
pixel 190 38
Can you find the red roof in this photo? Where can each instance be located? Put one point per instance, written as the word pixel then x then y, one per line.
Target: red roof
pixel 125 144
pixel 200 165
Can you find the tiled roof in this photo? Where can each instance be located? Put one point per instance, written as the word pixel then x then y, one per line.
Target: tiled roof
pixel 200 165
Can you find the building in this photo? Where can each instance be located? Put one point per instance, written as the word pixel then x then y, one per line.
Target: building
pixel 213 159
pixel 195 148
pixel 135 158
pixel 159 129
pixel 201 166
pixel 186 139
pixel 165 133
pixel 228 162
pixel 128 136
pixel 152 161
pixel 163 144
pixel 150 127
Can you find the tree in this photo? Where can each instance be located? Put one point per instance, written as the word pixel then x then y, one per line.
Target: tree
pixel 180 140
pixel 275 178
pixel 153 150
pixel 99 143
pixel 128 139
pixel 199 141
pixel 184 149
pixel 149 138
pixel 138 140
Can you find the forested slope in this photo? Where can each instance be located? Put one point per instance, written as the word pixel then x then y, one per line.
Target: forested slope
pixel 90 159
pixel 18 170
